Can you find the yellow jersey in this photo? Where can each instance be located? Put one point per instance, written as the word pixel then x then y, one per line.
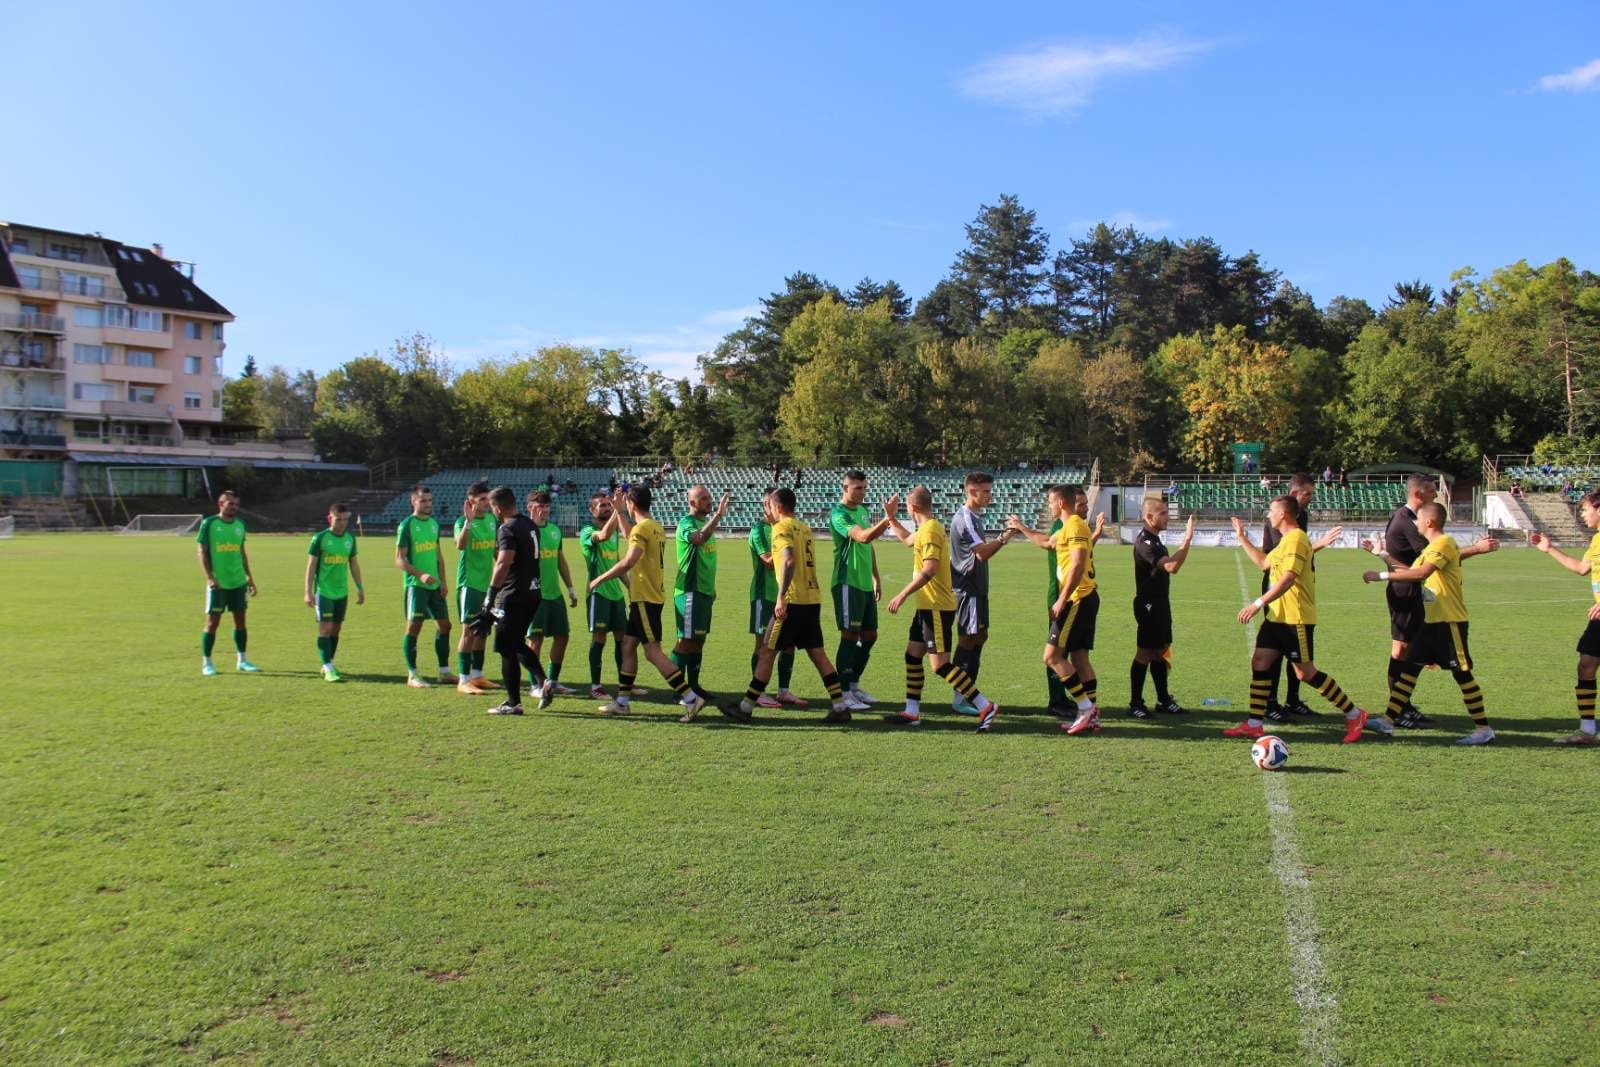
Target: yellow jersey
pixel 930 542
pixel 1075 534
pixel 1442 600
pixel 646 585
pixel 792 534
pixel 1592 558
pixel 1298 605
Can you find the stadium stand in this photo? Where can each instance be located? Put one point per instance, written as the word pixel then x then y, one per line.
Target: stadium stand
pixel 1016 490
pixel 1223 497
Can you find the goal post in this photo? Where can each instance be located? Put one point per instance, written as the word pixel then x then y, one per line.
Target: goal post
pixel 161 524
pixel 8 527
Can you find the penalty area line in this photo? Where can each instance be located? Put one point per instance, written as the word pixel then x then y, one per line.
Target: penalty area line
pixel 1319 1008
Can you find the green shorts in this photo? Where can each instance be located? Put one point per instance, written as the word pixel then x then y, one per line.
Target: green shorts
pixel 331 609
pixel 550 620
pixel 693 612
pixel 469 601
pixel 606 615
pixel 854 609
pixel 760 615
pixel 220 600
pixel 424 603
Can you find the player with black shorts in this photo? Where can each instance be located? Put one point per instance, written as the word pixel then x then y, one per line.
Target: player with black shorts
pixel 1153 569
pixel 513 596
pixel 1302 487
pixel 970 551
pixel 1589 644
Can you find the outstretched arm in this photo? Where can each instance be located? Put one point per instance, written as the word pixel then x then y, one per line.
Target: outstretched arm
pixel 1258 557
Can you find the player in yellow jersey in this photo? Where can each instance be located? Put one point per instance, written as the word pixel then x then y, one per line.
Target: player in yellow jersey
pixel 935 616
pixel 796 615
pixel 1077 603
pixel 647 546
pixel 1291 606
pixel 1442 639
pixel 1589 643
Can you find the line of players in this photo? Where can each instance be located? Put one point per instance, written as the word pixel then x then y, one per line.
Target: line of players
pixel 949 585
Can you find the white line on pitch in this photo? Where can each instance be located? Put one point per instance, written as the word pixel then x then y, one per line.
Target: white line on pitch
pixel 1318 1007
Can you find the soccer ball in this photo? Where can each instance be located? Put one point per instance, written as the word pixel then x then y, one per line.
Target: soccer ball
pixel 1269 753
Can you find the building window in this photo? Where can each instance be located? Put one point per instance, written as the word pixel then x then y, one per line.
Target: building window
pixel 141 359
pixel 70 253
pixel 191 330
pixel 216 364
pixel 191 364
pixel 22 246
pixel 122 252
pixel 92 391
pixel 137 258
pixel 34 350
pixel 138 288
pixel 191 401
pixel 89 353
pixel 216 398
pixel 31 277
pixel 150 287
pixel 88 317
pixel 216 331
pixel 82 284
pixel 141 394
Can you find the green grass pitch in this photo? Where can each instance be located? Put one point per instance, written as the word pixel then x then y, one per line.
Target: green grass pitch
pixel 277 870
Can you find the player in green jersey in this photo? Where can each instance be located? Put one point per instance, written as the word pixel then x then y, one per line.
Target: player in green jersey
pixel 856 588
pixel 763 598
pixel 695 585
pixel 229 583
pixel 601 543
pixel 330 565
pixel 551 618
pixel 475 530
pixel 416 552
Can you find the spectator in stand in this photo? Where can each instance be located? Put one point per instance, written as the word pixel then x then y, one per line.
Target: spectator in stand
pixel 1266 483
pixel 1249 463
pixel 1516 488
pixel 1344 477
pixel 1327 475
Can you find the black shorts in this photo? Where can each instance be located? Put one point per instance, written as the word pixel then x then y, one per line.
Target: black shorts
pixel 1153 620
pixel 931 627
pixel 1443 644
pixel 1405 617
pixel 800 629
pixel 1292 639
pixel 644 622
pixel 972 614
pixel 513 616
pixel 1073 630
pixel 1589 643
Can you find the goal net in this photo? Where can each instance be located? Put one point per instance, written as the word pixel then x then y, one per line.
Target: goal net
pixel 161 524
pixel 8 526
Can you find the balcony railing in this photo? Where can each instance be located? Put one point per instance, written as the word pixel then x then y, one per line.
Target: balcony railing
pixel 137 409
pixel 49 401
pixel 11 359
pixel 92 254
pixel 31 322
pixel 29 439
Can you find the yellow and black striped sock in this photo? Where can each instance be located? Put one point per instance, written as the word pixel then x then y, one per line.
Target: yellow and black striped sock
pixel 914 677
pixel 959 679
pixel 1402 683
pixel 1074 687
pixel 835 690
pixel 1585 691
pixel 625 684
pixel 757 686
pixel 1261 683
pixel 678 682
pixel 1472 697
pixel 1323 683
pixel 1091 689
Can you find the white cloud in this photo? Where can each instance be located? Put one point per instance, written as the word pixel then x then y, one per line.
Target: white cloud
pixel 1123 219
pixel 1058 79
pixel 671 350
pixel 1576 80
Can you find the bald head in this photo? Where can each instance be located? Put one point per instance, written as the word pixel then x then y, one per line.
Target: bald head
pixel 699 501
pixel 920 500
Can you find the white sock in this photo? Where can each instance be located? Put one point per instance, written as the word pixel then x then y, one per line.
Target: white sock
pixel 240 655
pixel 982 703
pixel 1586 726
pixel 914 707
pixel 1085 704
pixel 1352 715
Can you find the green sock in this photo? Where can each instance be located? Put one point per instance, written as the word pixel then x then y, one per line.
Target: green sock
pixel 239 640
pixel 333 646
pixel 1058 692
pixel 597 655
pixel 844 662
pixel 441 648
pixel 555 670
pixel 755 658
pixel 208 641
pixel 694 659
pixel 616 654
pixel 410 647
pixel 477 660
pixel 858 662
pixel 324 651
pixel 785 668
pixel 463 663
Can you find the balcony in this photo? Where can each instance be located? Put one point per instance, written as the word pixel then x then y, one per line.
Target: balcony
pixel 30 322
pixel 11 359
pixel 30 400
pixel 39 247
pixel 122 372
pixel 29 439
pixel 136 409
pixel 127 335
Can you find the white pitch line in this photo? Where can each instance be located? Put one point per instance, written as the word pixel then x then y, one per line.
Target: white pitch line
pixel 1319 1008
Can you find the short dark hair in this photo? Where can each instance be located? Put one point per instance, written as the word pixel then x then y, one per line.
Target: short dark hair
pixel 977 478
pixel 853 475
pixel 505 496
pixel 1063 493
pixel 228 492
pixel 1071 493
pixel 1417 481
pixel 1301 480
pixel 341 508
pixel 477 487
pixel 640 495
pixel 1592 498
pixel 1435 509
pixel 420 488
pixel 1290 505
pixel 539 497
pixel 783 496
pixel 600 495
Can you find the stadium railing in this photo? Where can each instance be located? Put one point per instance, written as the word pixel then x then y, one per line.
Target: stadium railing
pixel 1223 496
pixel 1582 472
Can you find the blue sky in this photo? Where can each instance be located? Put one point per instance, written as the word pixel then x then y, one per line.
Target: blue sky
pixel 506 175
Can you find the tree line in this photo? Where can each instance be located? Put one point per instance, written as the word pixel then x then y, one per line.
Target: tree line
pixel 1152 353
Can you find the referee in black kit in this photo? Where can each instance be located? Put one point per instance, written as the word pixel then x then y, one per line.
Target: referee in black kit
pixel 514 597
